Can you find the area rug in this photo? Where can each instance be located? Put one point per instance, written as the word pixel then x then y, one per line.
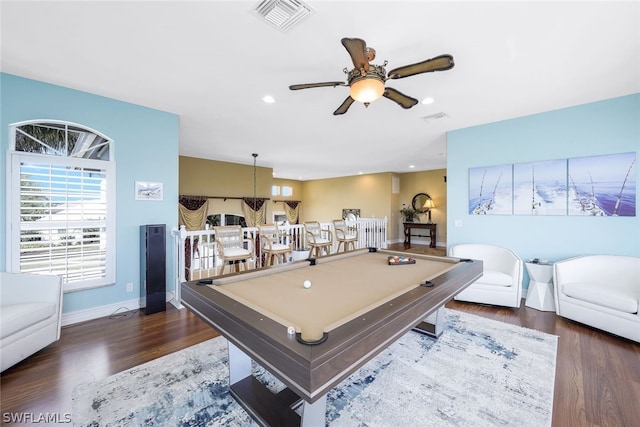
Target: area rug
pixel 480 372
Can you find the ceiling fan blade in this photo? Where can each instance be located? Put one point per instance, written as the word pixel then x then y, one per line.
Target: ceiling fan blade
pixel 439 63
pixel 311 85
pixel 344 107
pixel 357 49
pixel 400 98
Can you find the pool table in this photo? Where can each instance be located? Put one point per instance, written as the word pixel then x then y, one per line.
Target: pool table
pixel 311 338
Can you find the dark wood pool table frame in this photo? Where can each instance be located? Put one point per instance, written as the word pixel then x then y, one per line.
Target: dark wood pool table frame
pixel 310 372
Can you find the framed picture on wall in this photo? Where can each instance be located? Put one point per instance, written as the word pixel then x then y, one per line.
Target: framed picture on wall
pixel 145 190
pixel 350 214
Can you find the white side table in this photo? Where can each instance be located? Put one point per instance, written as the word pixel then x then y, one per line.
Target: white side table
pixel 540 292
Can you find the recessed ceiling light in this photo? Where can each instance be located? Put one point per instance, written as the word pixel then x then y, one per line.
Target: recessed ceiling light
pixel 268 99
pixel 428 100
pixel 412 166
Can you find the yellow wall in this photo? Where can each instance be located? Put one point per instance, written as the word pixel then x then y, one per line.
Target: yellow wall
pixel 323 199
pixel 432 183
pixel 295 185
pixel 276 205
pixel 201 177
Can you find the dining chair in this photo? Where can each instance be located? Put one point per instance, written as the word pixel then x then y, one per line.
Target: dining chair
pixel 346 235
pixel 318 239
pixel 274 243
pixel 233 247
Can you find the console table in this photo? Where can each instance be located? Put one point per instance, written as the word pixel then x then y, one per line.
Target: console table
pixel 408 226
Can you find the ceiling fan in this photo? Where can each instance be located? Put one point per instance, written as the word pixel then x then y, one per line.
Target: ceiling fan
pixel 366 81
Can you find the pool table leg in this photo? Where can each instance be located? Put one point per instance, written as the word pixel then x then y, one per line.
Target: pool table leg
pixel 313 414
pixel 239 364
pixel 433 324
pixel 266 408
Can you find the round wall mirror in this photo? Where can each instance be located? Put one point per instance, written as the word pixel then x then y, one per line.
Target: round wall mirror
pixel 418 202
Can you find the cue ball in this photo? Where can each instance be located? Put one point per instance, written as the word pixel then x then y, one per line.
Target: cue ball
pixel 307 284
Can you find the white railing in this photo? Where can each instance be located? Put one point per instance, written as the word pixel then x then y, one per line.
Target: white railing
pixel 197 253
pixel 372 232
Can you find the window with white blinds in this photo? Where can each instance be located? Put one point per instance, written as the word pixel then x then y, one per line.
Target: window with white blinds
pixel 62 206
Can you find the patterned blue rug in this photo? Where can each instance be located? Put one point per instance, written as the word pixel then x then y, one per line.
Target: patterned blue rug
pixel 479 373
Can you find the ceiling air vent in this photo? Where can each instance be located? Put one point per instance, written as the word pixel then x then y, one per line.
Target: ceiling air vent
pixel 282 14
pixel 435 117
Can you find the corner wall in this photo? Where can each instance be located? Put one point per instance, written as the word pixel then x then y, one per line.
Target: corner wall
pixel 324 199
pixel 605 127
pixel 146 149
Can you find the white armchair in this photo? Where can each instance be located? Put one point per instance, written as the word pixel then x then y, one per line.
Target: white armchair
pixel 602 291
pixel 501 281
pixel 30 315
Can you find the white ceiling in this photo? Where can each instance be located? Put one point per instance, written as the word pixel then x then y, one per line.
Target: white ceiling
pixel 211 62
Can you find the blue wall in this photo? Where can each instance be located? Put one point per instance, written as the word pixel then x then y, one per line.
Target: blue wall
pixel 146 149
pixel 606 127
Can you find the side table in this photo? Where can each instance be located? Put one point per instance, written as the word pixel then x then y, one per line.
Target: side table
pixel 540 292
pixel 408 226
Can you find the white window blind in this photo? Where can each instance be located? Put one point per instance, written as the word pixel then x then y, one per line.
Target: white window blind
pixel 62 217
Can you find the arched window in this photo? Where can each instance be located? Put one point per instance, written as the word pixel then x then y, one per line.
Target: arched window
pixel 61 203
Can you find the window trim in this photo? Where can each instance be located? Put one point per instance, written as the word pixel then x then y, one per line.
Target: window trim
pixel 13 162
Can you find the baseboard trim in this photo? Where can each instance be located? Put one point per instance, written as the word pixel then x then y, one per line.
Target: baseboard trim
pixel 107 310
pixel 98 312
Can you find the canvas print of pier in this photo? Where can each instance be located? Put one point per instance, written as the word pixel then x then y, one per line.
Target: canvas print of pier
pixel 491 190
pixel 603 185
pixel 540 188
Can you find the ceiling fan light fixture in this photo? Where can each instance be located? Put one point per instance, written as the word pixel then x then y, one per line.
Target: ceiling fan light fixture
pixel 366 80
pixel 367 90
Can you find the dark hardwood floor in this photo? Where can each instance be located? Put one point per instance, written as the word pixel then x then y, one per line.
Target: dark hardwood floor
pixel 597 379
pixel 88 351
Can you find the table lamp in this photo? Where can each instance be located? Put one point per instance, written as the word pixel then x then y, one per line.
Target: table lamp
pixel 428 205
